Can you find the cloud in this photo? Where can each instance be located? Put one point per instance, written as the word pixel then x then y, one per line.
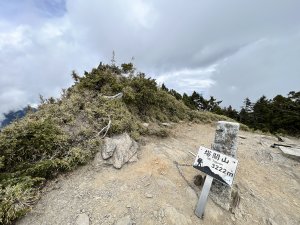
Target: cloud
pixel 269 67
pixel 230 49
pixel 188 80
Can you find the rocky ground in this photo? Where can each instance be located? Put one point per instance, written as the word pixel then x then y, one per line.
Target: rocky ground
pixel 154 191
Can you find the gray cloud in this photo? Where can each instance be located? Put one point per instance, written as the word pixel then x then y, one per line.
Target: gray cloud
pixel 269 67
pixel 231 49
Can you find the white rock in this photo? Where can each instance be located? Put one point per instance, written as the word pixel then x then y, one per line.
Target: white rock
pixel 145 124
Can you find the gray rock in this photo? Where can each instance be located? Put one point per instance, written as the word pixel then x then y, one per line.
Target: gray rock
pixel 82 219
pixel 119 150
pixel 124 221
pixel 109 147
pixel 226 138
pixel 173 217
pixel 126 148
pixel 226 143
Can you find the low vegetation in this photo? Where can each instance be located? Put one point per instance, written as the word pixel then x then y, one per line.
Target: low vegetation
pixel 66 132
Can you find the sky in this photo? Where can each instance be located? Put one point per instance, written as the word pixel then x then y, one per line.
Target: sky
pixel 229 49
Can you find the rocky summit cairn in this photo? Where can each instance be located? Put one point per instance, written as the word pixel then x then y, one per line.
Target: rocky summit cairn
pixel 226 143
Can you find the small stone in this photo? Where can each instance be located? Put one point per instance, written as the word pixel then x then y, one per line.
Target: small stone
pixel 124 221
pixel 145 124
pixel 128 206
pixel 82 219
pixel 198 180
pixel 148 195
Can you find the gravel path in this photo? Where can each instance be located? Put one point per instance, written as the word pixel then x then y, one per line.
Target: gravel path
pixel 152 191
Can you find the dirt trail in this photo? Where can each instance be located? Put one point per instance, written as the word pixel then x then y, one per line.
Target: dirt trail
pixel 152 191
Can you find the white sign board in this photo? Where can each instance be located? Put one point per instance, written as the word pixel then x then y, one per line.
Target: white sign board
pixel 217 165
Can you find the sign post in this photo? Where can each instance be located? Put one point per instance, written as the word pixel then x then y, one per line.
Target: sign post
pixel 203 197
pixel 219 164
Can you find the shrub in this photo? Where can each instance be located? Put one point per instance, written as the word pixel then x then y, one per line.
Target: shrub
pixel 16 199
pixel 30 140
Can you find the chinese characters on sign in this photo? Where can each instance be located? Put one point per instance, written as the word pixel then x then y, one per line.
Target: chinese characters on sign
pixel 219 166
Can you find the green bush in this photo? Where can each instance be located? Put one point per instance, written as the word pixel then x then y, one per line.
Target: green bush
pixel 30 140
pixel 17 199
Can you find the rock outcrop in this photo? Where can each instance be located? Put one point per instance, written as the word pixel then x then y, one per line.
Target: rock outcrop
pixel 119 150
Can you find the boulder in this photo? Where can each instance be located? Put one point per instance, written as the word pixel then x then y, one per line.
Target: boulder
pixel 119 150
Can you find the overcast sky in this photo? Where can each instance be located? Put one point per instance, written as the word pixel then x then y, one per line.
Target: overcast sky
pixel 230 49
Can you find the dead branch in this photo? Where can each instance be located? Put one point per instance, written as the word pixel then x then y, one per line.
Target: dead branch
pixel 116 96
pixel 105 129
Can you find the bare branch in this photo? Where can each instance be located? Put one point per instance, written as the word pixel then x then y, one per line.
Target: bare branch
pixel 105 129
pixel 117 96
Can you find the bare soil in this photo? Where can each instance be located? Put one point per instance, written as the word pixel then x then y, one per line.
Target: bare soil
pixel 152 191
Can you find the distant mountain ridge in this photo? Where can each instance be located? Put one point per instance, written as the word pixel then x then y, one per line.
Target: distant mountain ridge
pixel 12 116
